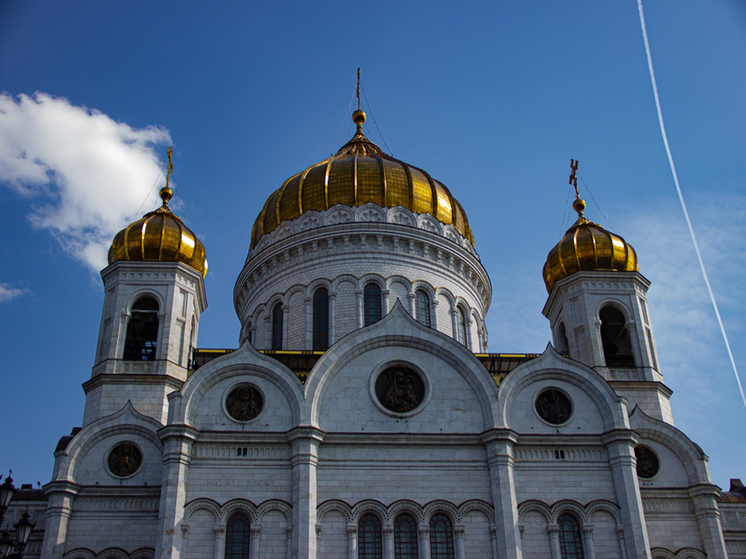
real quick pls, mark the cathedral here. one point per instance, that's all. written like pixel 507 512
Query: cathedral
pixel 362 416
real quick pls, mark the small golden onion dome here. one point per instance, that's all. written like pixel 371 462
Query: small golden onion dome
pixel 587 247
pixel 160 236
pixel 358 174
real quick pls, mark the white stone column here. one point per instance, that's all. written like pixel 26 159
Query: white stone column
pixel 553 530
pixel 359 296
pixel 60 495
pixel 454 324
pixel 304 459
pixel 256 533
pixel 177 448
pixel 332 318
pixel 620 445
pixel 458 530
pixel 385 296
pixel 493 535
pixel 289 530
pixel 219 550
pixel 499 445
pixel 388 542
pixel 352 541
pixel 412 304
pixel 704 498
pixel 588 541
pixel 423 531
pixel 620 537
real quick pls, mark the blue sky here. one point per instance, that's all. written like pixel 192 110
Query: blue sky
pixel 491 98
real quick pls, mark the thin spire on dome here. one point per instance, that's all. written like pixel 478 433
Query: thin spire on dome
pixel 358 117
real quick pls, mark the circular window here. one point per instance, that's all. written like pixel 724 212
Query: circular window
pixel 647 462
pixel 553 406
pixel 400 389
pixel 244 402
pixel 124 459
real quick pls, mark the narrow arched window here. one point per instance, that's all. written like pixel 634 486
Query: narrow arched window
pixel 321 319
pixel 441 537
pixel 142 331
pixel 372 303
pixel 460 325
pixel 423 308
pixel 571 546
pixel 237 537
pixel 369 540
pixel 277 326
pixel 564 346
pixel 405 537
pixel 615 338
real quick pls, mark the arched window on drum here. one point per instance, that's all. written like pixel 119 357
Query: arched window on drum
pixel 237 537
pixel 141 342
pixel 422 301
pixel 277 326
pixel 321 319
pixel 460 325
pixel 372 304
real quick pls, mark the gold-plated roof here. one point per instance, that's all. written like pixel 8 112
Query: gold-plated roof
pixel 587 247
pixel 160 236
pixel 358 174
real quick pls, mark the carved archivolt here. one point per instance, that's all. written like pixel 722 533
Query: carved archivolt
pixel 111 553
pixel 221 513
pixel 683 553
pixel 584 513
pixel 387 514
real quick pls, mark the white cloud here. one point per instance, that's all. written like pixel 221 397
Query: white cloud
pixel 84 174
pixel 7 292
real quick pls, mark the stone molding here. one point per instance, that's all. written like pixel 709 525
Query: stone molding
pixel 423 514
pixel 569 454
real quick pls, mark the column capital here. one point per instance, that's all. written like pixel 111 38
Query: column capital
pixel 352 530
pixel 318 531
pixel 587 530
pixel 219 530
pixel 388 532
pixel 459 530
pixel 553 530
pixel 256 532
pixel 423 530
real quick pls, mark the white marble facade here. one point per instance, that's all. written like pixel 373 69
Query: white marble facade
pixel 311 458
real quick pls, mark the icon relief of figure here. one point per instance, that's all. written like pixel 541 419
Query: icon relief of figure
pixel 244 406
pixel 401 394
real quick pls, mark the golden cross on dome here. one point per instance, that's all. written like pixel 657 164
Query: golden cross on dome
pixel 170 164
pixel 573 176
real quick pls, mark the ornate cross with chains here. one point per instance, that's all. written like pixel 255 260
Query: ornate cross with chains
pixel 170 164
pixel 573 176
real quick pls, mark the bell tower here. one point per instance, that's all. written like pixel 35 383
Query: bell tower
pixel 154 294
pixel 597 310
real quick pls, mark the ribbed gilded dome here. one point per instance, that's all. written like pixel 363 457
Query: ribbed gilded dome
pixel 160 236
pixel 358 174
pixel 587 247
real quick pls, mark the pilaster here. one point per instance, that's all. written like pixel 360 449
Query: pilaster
pixel 304 459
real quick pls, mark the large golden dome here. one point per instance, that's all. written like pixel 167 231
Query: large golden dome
pixel 358 174
pixel 160 236
pixel 587 247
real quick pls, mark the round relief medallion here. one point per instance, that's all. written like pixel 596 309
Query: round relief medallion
pixel 244 402
pixel 399 389
pixel 553 406
pixel 647 462
pixel 124 459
